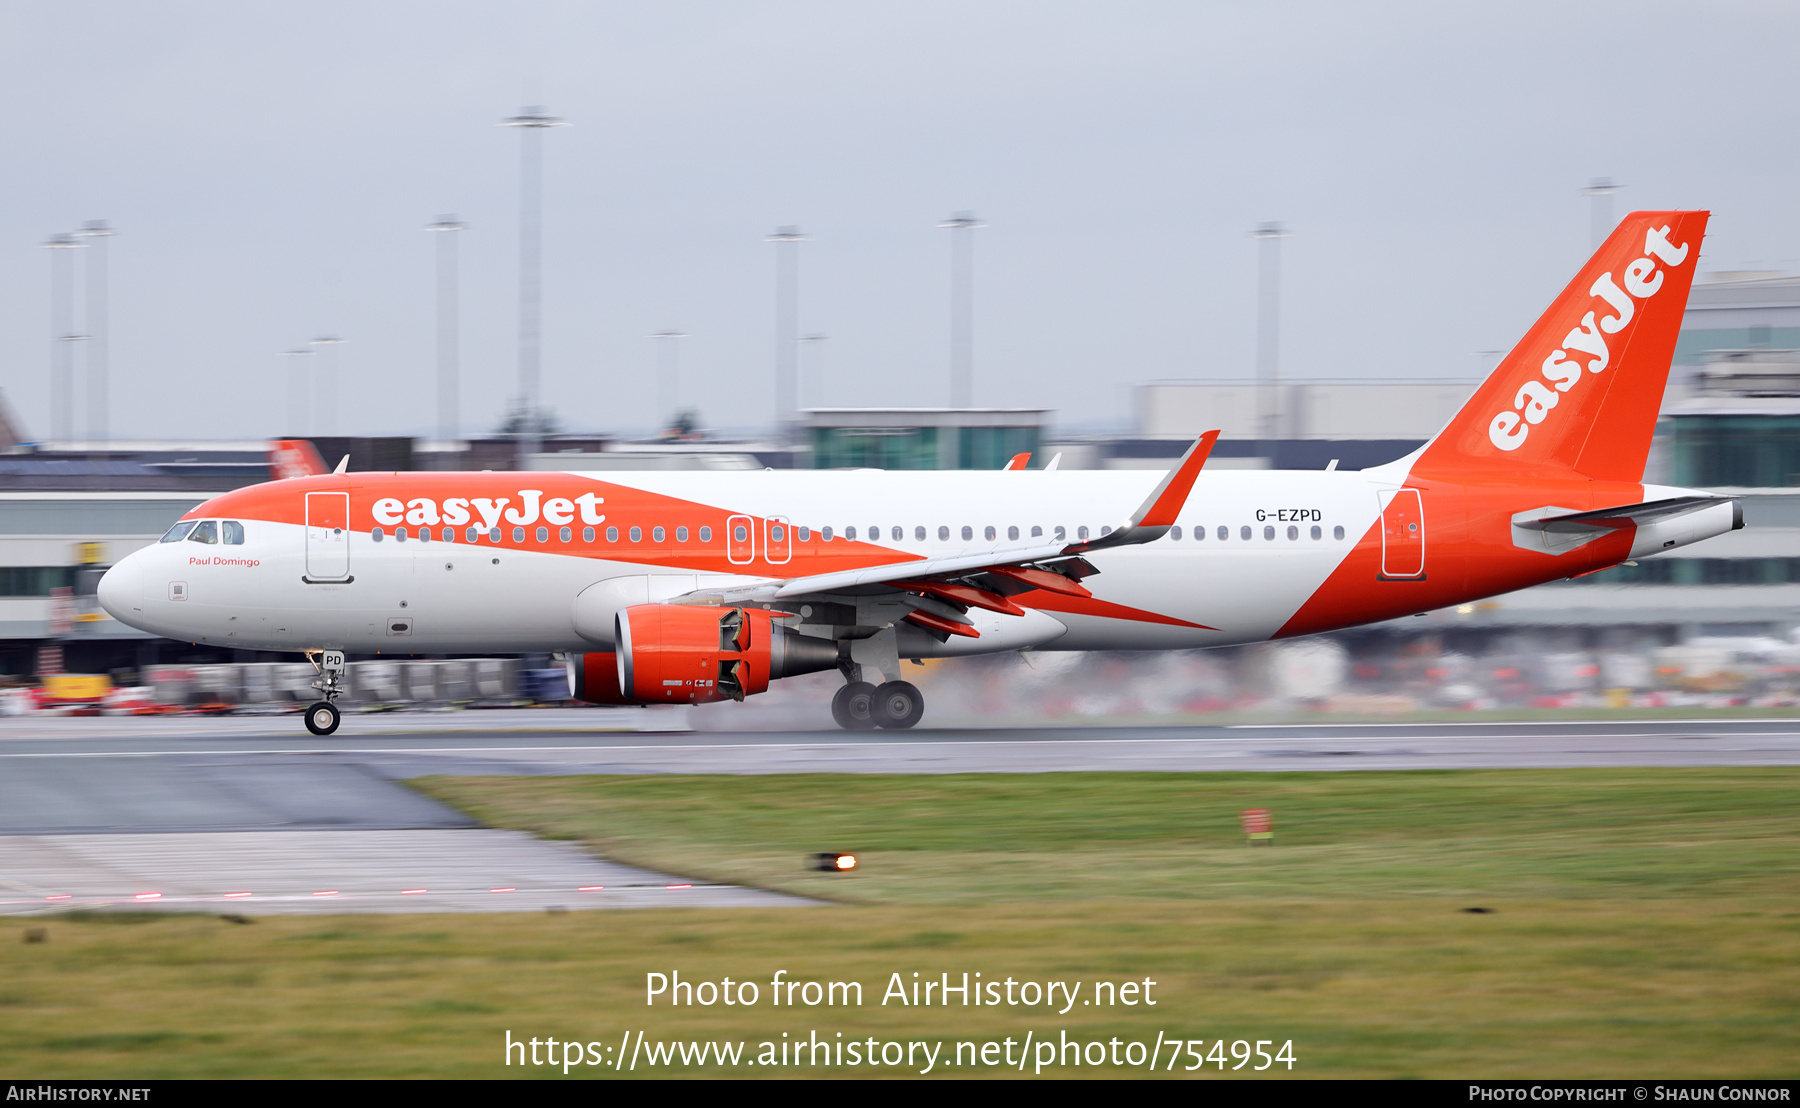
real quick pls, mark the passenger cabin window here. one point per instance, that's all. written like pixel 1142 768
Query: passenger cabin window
pixel 658 534
pixel 543 534
pixel 612 534
pixel 943 534
pixel 399 534
pixel 1012 533
pixel 1060 534
pixel 968 533
pixel 637 534
pixel 494 535
pixel 1337 532
pixel 1081 533
pixel 377 534
pixel 1244 532
pixel 1037 532
pixel 587 534
pixel 777 533
pixel 1175 532
pixel 424 534
pixel 207 531
pixel 1224 533
pixel 681 534
pixel 918 534
pixel 706 534
pixel 473 534
pixel 805 533
pixel 897 534
pixel 231 532
pixel 825 534
pixel 850 533
pixel 518 534
pixel 988 532
pixel 566 534
pixel 740 533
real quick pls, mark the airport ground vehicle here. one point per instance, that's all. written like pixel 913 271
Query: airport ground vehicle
pixel 683 587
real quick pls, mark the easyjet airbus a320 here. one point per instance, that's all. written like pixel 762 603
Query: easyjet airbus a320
pixel 663 588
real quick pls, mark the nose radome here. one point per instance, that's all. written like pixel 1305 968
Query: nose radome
pixel 121 589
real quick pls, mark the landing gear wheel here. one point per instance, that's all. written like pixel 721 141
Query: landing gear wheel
pixel 898 705
pixel 854 706
pixel 322 718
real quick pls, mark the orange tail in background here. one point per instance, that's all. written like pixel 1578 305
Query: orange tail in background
pixel 1581 391
pixel 294 458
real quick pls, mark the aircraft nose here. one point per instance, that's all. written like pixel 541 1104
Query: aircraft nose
pixel 121 589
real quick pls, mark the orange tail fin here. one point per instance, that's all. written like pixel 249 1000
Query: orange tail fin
pixel 1582 389
pixel 294 458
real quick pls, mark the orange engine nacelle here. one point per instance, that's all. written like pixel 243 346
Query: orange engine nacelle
pixel 674 654
pixel 595 679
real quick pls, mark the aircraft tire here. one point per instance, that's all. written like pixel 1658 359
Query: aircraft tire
pixel 898 705
pixel 854 706
pixel 323 718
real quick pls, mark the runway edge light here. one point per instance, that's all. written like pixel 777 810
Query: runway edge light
pixel 834 863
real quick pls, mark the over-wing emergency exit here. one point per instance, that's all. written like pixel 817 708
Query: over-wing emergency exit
pixel 672 587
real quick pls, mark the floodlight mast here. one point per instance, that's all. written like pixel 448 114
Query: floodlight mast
pixel 327 392
pixel 787 242
pixel 668 376
pixel 62 293
pixel 1600 220
pixel 814 394
pixel 962 227
pixel 531 122
pixel 299 411
pixel 97 231
pixel 1268 334
pixel 448 336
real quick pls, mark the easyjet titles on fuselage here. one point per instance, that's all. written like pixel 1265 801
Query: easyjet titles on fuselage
pixel 457 510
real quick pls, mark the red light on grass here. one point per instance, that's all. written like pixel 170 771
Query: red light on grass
pixel 234 896
pixel 508 889
pixel 680 886
pixel 412 892
pixel 590 888
pixel 61 896
pixel 148 896
pixel 327 892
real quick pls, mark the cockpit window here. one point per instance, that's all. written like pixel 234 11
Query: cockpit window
pixel 179 531
pixel 231 532
pixel 207 531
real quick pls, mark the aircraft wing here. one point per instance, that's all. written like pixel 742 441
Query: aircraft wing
pixel 985 578
pixel 1612 519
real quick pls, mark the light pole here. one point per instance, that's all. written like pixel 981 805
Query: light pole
pixel 62 379
pixel 98 232
pixel 447 329
pixel 668 377
pixel 1268 334
pixel 815 395
pixel 1600 221
pixel 531 122
pixel 327 393
pixel 299 411
pixel 962 227
pixel 787 242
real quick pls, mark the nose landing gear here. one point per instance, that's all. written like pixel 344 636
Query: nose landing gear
pixel 323 718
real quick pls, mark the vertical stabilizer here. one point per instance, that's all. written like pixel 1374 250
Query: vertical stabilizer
pixel 1581 391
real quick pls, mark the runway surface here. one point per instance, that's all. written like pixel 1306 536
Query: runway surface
pixel 97 811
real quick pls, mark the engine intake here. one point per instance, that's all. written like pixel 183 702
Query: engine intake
pixel 676 654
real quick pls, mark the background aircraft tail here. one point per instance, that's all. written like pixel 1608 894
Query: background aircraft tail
pixel 294 458
pixel 1581 391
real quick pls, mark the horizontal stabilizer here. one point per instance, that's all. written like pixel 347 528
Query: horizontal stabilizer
pixel 1612 519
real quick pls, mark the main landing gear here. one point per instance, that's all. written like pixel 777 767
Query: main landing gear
pixel 860 706
pixel 323 718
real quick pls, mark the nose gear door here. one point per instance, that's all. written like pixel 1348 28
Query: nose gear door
pixel 327 536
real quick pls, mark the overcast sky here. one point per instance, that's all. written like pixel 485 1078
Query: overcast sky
pixel 270 170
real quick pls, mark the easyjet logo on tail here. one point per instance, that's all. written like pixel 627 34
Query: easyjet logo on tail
pixel 1535 400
